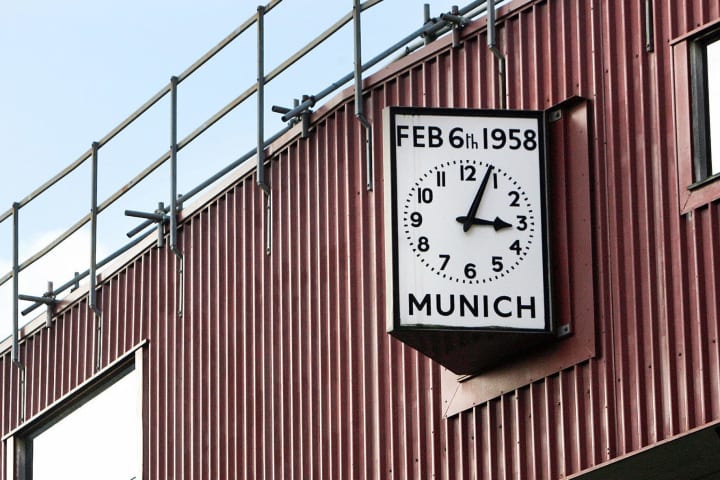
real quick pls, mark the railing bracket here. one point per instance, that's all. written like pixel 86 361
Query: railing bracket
pixel 158 216
pixel 48 299
pixel 300 112
pixel 458 22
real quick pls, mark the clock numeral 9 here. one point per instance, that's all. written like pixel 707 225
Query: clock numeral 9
pixel 423 244
pixel 497 264
pixel 416 219
pixel 424 195
pixel 470 271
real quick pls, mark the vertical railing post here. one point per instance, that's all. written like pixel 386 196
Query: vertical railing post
pixel 16 286
pixel 92 293
pixel 173 163
pixel 427 37
pixel 649 27
pixel 492 45
pixel 359 113
pixel 261 180
pixel 173 193
pixel 16 326
pixel 50 305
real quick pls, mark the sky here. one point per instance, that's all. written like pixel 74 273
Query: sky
pixel 73 70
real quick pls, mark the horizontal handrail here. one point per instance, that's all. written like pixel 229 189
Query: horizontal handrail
pixel 140 111
pixel 431 27
pixel 81 276
pixel 183 143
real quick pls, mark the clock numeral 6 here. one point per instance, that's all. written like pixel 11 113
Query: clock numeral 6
pixel 423 244
pixel 416 219
pixel 470 271
pixel 497 264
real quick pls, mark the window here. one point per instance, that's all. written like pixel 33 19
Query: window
pixel 97 440
pixel 705 71
pixel 94 432
pixel 696 101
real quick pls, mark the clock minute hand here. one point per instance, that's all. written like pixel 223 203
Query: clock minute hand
pixel 476 201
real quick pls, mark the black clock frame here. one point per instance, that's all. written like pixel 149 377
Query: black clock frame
pixel 434 340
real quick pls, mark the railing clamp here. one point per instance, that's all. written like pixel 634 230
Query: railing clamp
pixel 75 282
pixel 158 216
pixel 458 22
pixel 302 112
pixel 48 299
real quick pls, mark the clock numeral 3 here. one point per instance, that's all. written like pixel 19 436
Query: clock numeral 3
pixel 522 223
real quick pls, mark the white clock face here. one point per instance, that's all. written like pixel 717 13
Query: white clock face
pixel 465 219
pixel 438 228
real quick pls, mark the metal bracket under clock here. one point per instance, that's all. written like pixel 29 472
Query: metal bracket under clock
pixel 564 330
pixel 554 115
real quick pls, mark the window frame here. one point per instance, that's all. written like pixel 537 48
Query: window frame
pixel 697 186
pixel 18 443
pixel 702 157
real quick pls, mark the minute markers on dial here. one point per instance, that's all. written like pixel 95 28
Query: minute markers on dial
pixel 501 209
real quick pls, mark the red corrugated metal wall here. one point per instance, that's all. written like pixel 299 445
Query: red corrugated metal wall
pixel 279 366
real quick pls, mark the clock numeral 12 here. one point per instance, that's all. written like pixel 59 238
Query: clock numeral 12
pixel 467 173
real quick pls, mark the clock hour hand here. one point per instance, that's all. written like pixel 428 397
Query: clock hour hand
pixel 497 224
pixel 468 221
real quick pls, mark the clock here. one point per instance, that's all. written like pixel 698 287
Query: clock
pixel 467 201
pixel 466 220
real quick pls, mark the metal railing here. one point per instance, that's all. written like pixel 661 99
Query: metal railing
pixel 432 28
